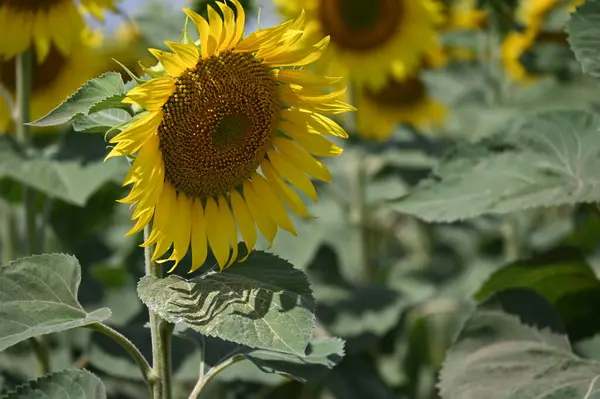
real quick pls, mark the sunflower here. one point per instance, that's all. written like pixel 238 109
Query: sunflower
pixel 226 130
pixel 463 15
pixel 53 79
pixel 407 101
pixel 371 39
pixel 42 23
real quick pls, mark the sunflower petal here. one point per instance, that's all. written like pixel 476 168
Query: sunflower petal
pixel 133 138
pixel 181 217
pixel 299 56
pixel 216 27
pixel 217 235
pixel 207 45
pixel 285 192
pixel 307 163
pixel 312 142
pixel 239 22
pixel 199 245
pixel 187 52
pixel 172 63
pixel 267 227
pixel 229 225
pixel 153 94
pixel 244 220
pixel 228 27
pixel 267 197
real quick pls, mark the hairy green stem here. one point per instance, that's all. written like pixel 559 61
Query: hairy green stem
pixel 131 349
pixel 41 353
pixel 24 69
pixel 204 379
pixel 161 333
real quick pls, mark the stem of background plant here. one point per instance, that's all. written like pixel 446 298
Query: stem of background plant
pixel 205 378
pixel 41 353
pixel 510 233
pixel 24 77
pixel 160 332
pixel 361 209
pixel 133 351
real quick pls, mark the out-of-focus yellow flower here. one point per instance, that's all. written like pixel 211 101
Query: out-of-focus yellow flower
pixel 53 79
pixel 371 39
pixel 43 23
pixel 407 101
pixel 228 128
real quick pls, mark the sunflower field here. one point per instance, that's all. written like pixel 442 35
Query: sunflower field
pixel 303 199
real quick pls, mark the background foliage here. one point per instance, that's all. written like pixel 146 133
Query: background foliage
pixel 459 262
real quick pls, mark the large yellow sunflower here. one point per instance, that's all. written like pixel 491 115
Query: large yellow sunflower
pixel 407 101
pixel 227 128
pixel 371 39
pixel 41 23
pixel 54 78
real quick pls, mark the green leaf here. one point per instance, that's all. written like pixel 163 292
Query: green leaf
pixel 563 278
pixel 101 121
pixel 584 36
pixel 66 384
pixel 89 94
pixel 322 355
pixel 546 159
pixel 71 179
pixel 497 357
pixel 262 303
pixel 114 101
pixel 39 296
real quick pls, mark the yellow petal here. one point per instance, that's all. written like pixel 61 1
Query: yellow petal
pixel 199 246
pixel 217 235
pixel 228 27
pixel 228 224
pixel 285 192
pixel 152 94
pixel 325 103
pixel 305 78
pixel 311 141
pixel 135 136
pixel 299 56
pixel 207 45
pixel 216 27
pixel 58 17
pixel 292 174
pixel 267 227
pixel 244 220
pixel 239 22
pixel 302 159
pixel 256 39
pixel 167 229
pixel 314 121
pixel 187 52
pixel 172 63
pixel 42 34
pixel 182 218
pixel 268 199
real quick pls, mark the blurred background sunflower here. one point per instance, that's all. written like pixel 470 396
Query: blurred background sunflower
pixel 46 23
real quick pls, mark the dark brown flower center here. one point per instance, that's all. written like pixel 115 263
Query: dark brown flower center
pixel 360 25
pixel 44 74
pixel 218 124
pixel 398 94
pixel 29 5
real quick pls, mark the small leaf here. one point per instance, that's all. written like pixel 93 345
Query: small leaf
pixel 100 122
pixel 563 278
pixel 497 357
pixel 90 93
pixel 70 179
pixel 545 159
pixel 322 355
pixel 39 296
pixel 584 36
pixel 114 101
pixel 262 303
pixel 66 384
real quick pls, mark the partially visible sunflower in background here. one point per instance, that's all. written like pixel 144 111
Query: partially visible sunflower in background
pixel 407 101
pixel 43 23
pixel 228 128
pixel 371 39
pixel 54 78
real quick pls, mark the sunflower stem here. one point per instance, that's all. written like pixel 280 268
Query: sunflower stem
pixel 24 70
pixel 206 378
pixel 161 333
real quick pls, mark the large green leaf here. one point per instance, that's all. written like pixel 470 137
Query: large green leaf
pixel 584 36
pixel 71 179
pixel 497 357
pixel 101 121
pixel 262 303
pixel 38 296
pixel 545 159
pixel 66 384
pixel 94 91
pixel 563 278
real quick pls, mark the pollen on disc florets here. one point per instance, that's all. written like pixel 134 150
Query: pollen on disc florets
pixel 218 124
